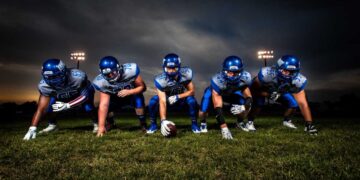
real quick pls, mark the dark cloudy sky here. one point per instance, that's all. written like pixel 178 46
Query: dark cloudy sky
pixel 323 34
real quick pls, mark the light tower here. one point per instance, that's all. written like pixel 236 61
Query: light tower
pixel 265 55
pixel 78 56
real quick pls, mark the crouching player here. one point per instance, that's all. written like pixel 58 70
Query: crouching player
pixel 231 85
pixel 175 89
pixel 283 83
pixel 61 89
pixel 119 85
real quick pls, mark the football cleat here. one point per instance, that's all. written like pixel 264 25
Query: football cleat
pixel 203 128
pixel 152 129
pixel 289 124
pixel 250 126
pixel 50 128
pixel 226 134
pixel 195 128
pixel 311 129
pixel 96 128
pixel 242 126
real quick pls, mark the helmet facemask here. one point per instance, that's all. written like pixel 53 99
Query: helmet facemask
pixel 111 75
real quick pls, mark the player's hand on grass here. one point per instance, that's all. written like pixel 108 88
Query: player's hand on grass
pixel 237 109
pixel 31 134
pixel 60 106
pixel 226 134
pixel 101 132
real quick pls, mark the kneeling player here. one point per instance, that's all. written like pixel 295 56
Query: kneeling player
pixel 283 83
pixel 174 89
pixel 61 89
pixel 232 86
pixel 119 85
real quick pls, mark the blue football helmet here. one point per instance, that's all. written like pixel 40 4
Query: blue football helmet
pixel 110 68
pixel 235 65
pixel 54 72
pixel 172 61
pixel 289 63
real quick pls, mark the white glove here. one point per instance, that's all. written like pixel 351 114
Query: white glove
pixel 274 96
pixel 60 106
pixel 165 131
pixel 31 134
pixel 173 99
pixel 226 134
pixel 237 109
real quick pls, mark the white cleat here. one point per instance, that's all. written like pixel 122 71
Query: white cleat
pixel 250 126
pixel 242 126
pixel 50 128
pixel 96 128
pixel 289 124
pixel 226 134
pixel 203 128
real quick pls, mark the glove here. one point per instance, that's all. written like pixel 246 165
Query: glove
pixel 274 96
pixel 60 106
pixel 165 131
pixel 31 134
pixel 237 109
pixel 173 99
pixel 226 134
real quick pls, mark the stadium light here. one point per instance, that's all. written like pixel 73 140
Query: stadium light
pixel 77 56
pixel 265 55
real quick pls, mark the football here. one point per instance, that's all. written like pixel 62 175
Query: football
pixel 173 130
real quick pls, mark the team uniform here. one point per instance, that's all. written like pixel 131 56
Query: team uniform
pixel 77 91
pixel 174 87
pixel 268 79
pixel 230 92
pixel 130 71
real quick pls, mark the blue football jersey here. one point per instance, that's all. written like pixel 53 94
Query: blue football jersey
pixel 268 78
pixel 76 84
pixel 223 87
pixel 172 86
pixel 126 80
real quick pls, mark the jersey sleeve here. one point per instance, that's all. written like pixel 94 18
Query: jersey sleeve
pixel 300 82
pixel 246 78
pixel 217 83
pixel 160 82
pixel 45 89
pixel 265 75
pixel 186 74
pixel 100 84
pixel 131 70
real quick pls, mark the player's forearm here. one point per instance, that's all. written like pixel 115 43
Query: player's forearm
pixel 162 105
pixel 186 94
pixel 77 101
pixel 102 113
pixel 37 116
pixel 137 90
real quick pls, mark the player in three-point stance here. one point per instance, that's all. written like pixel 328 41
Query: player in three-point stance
pixel 282 83
pixel 61 89
pixel 174 89
pixel 119 85
pixel 231 85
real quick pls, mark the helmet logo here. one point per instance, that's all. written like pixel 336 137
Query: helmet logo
pixel 280 62
pixel 61 65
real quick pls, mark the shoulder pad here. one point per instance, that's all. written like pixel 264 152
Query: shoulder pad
pixel 186 74
pixel 161 81
pixel 44 88
pixel 218 82
pixel 246 77
pixel 266 74
pixel 299 82
pixel 100 83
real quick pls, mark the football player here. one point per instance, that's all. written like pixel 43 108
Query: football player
pixel 119 85
pixel 284 84
pixel 174 89
pixel 61 89
pixel 231 85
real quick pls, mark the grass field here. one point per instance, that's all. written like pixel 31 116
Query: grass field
pixel 273 151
